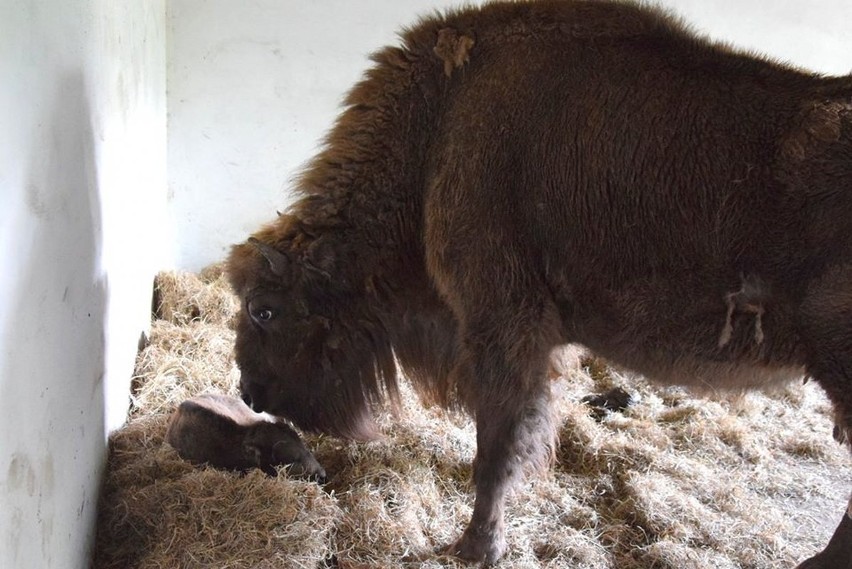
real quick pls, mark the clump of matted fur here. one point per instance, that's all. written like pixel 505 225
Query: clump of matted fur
pixel 674 481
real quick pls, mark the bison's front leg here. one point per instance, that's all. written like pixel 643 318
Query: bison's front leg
pixel 509 439
pixel 490 276
pixel 508 391
pixel 826 321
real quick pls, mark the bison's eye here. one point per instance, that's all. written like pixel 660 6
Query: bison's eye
pixel 264 315
pixel 264 308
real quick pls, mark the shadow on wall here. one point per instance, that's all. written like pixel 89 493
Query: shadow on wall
pixel 51 389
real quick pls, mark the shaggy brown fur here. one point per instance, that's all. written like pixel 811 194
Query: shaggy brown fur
pixel 586 172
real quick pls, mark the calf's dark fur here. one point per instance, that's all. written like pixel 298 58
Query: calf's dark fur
pixel 223 432
pixel 529 174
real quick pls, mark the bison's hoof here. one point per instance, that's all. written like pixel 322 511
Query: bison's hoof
pixel 479 546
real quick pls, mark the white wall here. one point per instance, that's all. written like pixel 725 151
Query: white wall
pixel 814 34
pixel 254 85
pixel 83 184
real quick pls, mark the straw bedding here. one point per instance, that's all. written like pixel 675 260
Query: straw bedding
pixel 674 481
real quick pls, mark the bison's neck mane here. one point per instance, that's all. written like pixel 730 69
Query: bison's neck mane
pixel 367 181
pixel 362 196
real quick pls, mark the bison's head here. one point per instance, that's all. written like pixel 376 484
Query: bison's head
pixel 297 353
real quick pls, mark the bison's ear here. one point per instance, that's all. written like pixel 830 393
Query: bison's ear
pixel 321 257
pixel 279 264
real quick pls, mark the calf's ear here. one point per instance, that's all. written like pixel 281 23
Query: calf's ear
pixel 279 264
pixel 252 453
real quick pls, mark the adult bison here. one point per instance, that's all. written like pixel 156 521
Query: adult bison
pixel 528 174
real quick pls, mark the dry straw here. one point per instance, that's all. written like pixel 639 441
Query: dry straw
pixel 675 481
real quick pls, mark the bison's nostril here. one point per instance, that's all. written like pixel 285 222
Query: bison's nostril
pixel 247 399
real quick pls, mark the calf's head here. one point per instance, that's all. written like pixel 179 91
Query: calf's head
pixel 268 445
pixel 290 340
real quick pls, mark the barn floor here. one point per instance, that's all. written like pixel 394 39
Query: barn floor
pixel 674 481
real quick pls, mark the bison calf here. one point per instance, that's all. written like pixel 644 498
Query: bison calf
pixel 223 432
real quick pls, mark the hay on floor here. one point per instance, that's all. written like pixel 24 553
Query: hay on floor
pixel 674 481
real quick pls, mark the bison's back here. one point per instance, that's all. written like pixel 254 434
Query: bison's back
pixel 629 170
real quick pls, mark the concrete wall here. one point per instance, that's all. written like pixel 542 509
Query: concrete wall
pixel 254 85
pixel 83 185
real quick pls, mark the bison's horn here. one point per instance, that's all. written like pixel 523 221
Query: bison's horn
pixel 278 261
